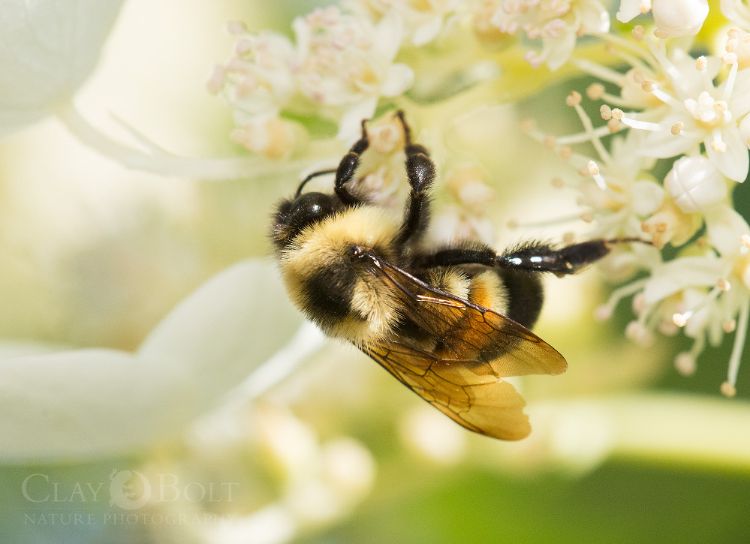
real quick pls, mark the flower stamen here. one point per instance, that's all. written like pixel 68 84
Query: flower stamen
pixel 737 348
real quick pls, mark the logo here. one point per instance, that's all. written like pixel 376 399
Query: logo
pixel 129 489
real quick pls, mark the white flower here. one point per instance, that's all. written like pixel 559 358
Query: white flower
pixel 47 51
pixel 339 67
pixel 466 218
pixel 557 23
pixel 706 291
pixel 432 437
pixel 737 12
pixel 91 403
pixel 738 42
pixel 269 135
pixel 670 225
pixel 380 178
pixel 616 191
pixel 672 17
pixel 259 81
pixel 692 110
pixel 423 19
pixel 630 9
pixel 259 78
pixel 706 295
pixel 345 64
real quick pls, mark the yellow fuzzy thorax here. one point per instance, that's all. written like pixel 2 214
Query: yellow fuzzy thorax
pixel 325 244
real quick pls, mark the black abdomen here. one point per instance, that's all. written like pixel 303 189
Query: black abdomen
pixel 525 296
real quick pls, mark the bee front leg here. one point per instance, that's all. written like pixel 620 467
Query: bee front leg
pixel 420 171
pixel 347 167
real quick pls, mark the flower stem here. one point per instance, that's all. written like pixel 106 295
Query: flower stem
pixel 164 163
pixel 655 427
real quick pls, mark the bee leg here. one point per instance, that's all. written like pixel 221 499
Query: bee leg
pixel 539 257
pixel 524 293
pixel 456 256
pixel 348 166
pixel 530 257
pixel 420 171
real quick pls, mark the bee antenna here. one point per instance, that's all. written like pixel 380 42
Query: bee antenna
pixel 311 176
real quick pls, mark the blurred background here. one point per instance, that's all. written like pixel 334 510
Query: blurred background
pixel 624 449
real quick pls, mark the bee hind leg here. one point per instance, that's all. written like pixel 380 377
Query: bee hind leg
pixel 570 259
pixel 529 256
pixel 523 291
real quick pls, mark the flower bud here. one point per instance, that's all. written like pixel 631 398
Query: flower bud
pixel 685 363
pixel 679 17
pixel 271 136
pixel 695 184
pixel 737 42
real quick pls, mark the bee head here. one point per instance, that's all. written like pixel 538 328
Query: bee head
pixel 293 215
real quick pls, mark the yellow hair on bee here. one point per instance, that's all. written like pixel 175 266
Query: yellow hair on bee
pixel 325 245
pixel 484 289
pixel 452 280
pixel 488 290
pixel 367 226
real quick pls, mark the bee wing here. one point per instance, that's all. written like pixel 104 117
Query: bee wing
pixel 459 363
pixel 483 405
pixel 466 333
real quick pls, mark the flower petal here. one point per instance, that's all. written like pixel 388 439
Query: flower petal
pixel 664 144
pixel 647 197
pixel 397 80
pixel 90 403
pixel 593 17
pixel 740 101
pixel 629 9
pixel 557 51
pixel 48 48
pixel 725 228
pixel 226 328
pixel 349 125
pixel 427 31
pixel 389 33
pixel 734 161
pixel 674 276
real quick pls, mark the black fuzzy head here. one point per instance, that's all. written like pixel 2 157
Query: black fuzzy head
pixel 293 215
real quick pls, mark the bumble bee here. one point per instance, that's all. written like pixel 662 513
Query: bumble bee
pixel 450 322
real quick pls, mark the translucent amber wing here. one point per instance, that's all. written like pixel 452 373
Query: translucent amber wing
pixel 461 355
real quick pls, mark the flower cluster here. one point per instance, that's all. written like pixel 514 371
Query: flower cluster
pixel 668 108
pixel 346 60
pixel 556 23
pixel 338 68
pixel 663 108
pixel 656 176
